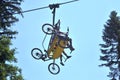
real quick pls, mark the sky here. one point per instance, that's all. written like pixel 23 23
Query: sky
pixel 85 19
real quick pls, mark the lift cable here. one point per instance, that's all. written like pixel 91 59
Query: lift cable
pixel 50 6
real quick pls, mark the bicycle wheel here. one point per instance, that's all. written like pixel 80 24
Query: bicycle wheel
pixel 47 28
pixel 64 43
pixel 36 53
pixel 53 68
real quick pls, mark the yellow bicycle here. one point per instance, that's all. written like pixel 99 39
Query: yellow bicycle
pixel 56 46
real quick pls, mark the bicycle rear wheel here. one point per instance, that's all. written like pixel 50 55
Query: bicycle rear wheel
pixel 36 53
pixel 53 68
pixel 47 28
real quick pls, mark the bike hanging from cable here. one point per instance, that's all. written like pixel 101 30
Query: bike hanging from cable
pixel 58 41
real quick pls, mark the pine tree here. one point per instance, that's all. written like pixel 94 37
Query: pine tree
pixel 111 48
pixel 8 71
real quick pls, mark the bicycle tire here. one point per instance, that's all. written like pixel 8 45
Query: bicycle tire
pixel 36 53
pixel 46 27
pixel 52 67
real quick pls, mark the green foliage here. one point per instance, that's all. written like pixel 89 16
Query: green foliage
pixel 7 10
pixel 10 72
pixel 7 18
pixel 111 48
pixel 6 54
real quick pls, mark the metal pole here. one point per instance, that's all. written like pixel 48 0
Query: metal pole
pixel 54 10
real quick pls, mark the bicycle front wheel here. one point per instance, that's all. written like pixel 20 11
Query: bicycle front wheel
pixel 53 68
pixel 47 28
pixel 36 53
